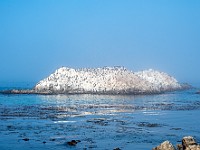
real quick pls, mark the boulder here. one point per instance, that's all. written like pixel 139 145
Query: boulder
pixel 164 146
pixel 189 143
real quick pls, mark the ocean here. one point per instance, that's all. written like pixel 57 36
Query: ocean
pixel 97 122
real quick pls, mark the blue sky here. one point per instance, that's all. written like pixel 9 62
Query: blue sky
pixel 39 36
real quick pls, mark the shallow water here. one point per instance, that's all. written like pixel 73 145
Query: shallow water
pixel 100 122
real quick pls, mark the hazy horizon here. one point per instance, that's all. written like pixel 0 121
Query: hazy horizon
pixel 38 37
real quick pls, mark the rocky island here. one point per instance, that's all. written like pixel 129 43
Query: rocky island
pixel 106 80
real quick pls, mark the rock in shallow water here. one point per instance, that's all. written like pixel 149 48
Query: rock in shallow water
pixel 73 142
pixel 26 139
pixel 164 146
pixel 198 92
pixel 188 143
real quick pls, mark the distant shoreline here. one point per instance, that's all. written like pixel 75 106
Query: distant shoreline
pixel 34 92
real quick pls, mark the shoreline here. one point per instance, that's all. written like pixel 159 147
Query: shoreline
pixel 34 92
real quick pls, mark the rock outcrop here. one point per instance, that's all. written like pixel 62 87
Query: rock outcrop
pixel 107 80
pixel 166 145
pixel 188 143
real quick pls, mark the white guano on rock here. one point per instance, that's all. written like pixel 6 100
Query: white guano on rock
pixel 106 80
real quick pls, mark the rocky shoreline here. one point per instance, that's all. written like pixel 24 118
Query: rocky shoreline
pixel 34 92
pixel 188 143
pixel 24 91
pixel 106 80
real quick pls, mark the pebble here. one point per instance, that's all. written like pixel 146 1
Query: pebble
pixel 73 142
pixel 26 139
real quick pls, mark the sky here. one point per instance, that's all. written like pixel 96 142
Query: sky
pixel 39 36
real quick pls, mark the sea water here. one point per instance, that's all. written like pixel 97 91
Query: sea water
pixel 99 122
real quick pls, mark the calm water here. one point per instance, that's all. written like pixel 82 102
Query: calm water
pixel 99 122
